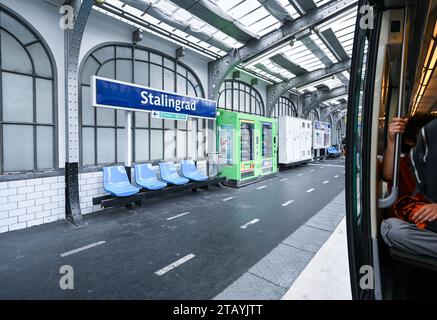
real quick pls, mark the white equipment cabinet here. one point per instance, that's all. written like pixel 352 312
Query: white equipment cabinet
pixel 295 140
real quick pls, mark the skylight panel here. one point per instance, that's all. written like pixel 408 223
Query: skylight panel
pixel 332 83
pixel 166 6
pixel 179 15
pixel 321 2
pixel 244 8
pixel 227 5
pixel 268 28
pixel 252 17
pixel 346 74
pixel 303 57
pixel 343 27
pixel 251 14
pixel 277 69
pixel 263 73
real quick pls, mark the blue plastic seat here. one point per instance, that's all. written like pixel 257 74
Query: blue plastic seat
pixel 170 174
pixel 190 171
pixel 116 182
pixel 333 151
pixel 146 178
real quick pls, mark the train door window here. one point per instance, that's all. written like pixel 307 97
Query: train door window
pixel 357 127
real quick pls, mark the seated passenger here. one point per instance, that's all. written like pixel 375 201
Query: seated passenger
pixel 408 228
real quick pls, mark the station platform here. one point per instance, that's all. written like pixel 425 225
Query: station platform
pixel 187 246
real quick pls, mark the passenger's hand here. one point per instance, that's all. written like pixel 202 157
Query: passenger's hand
pixel 428 213
pixel 397 125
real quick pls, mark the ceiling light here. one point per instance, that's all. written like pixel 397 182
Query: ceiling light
pixel 427 70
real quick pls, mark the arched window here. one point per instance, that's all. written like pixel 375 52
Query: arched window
pixel 27 86
pixel 313 115
pixel 241 97
pixel 102 134
pixel 284 107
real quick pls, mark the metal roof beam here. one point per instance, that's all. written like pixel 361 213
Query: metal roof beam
pixel 317 51
pixel 331 42
pixel 212 14
pixel 283 62
pixel 275 8
pixel 269 71
pixel 316 99
pixel 278 89
pixel 303 5
pixel 220 69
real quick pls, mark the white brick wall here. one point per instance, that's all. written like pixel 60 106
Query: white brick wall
pixel 26 203
pixel 90 186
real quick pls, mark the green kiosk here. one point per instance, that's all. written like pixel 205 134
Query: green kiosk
pixel 247 147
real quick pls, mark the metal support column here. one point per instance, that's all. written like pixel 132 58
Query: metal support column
pixel 128 158
pixel 72 42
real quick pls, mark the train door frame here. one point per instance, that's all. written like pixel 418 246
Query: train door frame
pixel 362 253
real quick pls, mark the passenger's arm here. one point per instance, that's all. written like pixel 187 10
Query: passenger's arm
pixel 397 125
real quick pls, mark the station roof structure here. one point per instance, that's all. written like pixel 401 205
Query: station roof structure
pixel 217 28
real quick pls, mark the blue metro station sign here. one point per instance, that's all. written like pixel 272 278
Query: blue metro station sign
pixel 108 93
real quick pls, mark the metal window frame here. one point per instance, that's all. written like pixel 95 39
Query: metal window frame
pixel 284 107
pixel 197 87
pixel 35 124
pixel 238 86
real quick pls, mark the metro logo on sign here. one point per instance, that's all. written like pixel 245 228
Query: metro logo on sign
pixel 108 93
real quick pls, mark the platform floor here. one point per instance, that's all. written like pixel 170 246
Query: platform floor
pixel 189 246
pixel 326 277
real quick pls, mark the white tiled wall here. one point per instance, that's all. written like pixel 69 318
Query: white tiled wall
pixel 26 203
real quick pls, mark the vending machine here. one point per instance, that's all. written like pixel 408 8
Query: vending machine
pixel 247 147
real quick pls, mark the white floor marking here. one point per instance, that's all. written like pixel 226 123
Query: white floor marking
pixel 312 170
pixel 300 174
pixel 177 216
pixel 336 176
pixel 327 165
pixel 321 167
pixel 287 203
pixel 227 199
pixel 174 264
pixel 310 190
pixel 344 171
pixel 283 179
pixel 92 245
pixel 244 226
pixel 262 187
pixel 325 182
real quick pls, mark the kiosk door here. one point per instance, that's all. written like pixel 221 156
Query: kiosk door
pixel 267 147
pixel 247 168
